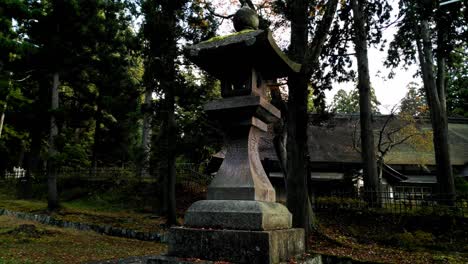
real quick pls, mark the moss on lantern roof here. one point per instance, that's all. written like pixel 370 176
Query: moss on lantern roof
pixel 218 38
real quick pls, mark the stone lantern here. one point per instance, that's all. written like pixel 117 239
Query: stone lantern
pixel 240 221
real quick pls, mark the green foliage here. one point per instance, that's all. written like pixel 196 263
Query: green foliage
pixel 15 47
pixel 457 87
pixel 414 103
pixel 348 103
pixel 198 136
pixel 72 156
pixel 461 186
pixel 191 88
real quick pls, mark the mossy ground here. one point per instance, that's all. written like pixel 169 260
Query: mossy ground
pixel 84 212
pixel 376 238
pixel 47 244
pixel 391 239
pixel 112 208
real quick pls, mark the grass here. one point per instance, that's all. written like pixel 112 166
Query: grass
pixel 56 245
pixel 88 211
pixel 122 206
pixel 76 212
pixel 376 238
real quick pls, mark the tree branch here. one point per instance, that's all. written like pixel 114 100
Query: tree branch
pixel 403 140
pixel 341 55
pixel 391 23
pixel 248 3
pixel 313 53
pixel 382 130
pixel 220 16
pixel 380 145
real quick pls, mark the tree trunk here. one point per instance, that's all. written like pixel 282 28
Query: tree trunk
pixel 97 138
pixel 33 160
pixel 280 131
pixel 446 186
pixel 52 198
pixel 146 134
pixel 159 149
pixel 2 117
pixel 445 176
pixel 371 182
pixel 168 85
pixel 297 198
pixel 171 157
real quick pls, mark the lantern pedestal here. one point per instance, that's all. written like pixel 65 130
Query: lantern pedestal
pixel 237 246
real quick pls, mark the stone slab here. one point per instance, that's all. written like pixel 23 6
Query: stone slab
pixel 315 259
pixel 176 260
pixel 163 259
pixel 241 107
pixel 236 245
pixel 243 215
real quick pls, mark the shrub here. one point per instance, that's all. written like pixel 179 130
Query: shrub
pixel 414 239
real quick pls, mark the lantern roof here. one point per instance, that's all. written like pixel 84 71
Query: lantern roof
pixel 225 56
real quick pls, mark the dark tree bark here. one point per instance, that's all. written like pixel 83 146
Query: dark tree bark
pixel 167 82
pixel 162 32
pixel 371 181
pixel 435 93
pixel 52 197
pixel 298 201
pixel 297 197
pixel 146 133
pixel 4 108
pixel 97 138
pixel 32 159
pixel 171 150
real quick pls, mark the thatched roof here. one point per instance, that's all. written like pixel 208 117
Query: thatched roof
pixel 332 142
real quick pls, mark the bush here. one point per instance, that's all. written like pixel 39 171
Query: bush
pixel 414 239
pixel 461 186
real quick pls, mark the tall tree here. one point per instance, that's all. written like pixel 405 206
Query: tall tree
pixel 14 72
pixel 115 72
pixel 54 48
pixel 361 22
pixel 371 181
pixel 89 52
pixel 415 40
pixel 162 29
pixel 297 117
